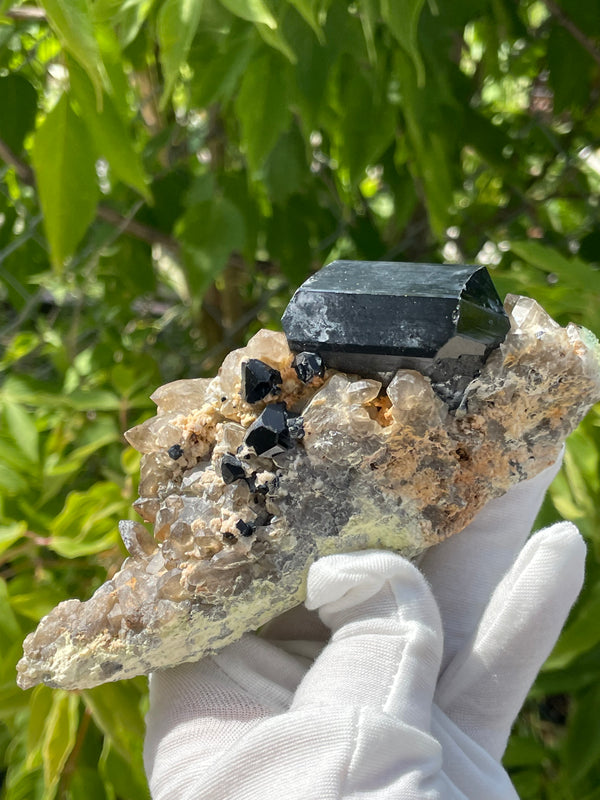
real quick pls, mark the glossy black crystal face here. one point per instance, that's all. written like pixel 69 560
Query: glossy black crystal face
pixel 308 366
pixel 367 316
pixel 269 434
pixel 259 380
pixel 232 469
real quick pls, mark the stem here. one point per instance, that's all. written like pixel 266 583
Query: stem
pixel 576 32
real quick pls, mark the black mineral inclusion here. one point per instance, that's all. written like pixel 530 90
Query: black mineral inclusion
pixel 308 366
pixel 175 451
pixel 259 380
pixel 367 316
pixel 232 469
pixel 269 434
pixel 245 528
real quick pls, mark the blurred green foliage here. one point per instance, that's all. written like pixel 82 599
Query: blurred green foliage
pixel 169 172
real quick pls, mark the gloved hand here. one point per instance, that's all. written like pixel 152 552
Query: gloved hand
pixel 413 696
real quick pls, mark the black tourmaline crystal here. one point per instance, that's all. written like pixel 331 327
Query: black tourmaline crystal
pixel 308 366
pixel 269 434
pixel 259 380
pixel 232 469
pixel 175 451
pixel 245 528
pixel 367 317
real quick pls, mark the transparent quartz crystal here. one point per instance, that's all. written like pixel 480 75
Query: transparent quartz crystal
pixel 526 314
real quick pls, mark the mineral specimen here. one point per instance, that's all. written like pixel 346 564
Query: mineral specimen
pixel 379 466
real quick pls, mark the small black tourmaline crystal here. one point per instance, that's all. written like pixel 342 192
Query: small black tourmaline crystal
pixel 308 366
pixel 269 434
pixel 259 380
pixel 232 469
pixel 367 317
pixel 245 528
pixel 175 451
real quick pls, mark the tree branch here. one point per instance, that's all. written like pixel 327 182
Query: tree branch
pixel 130 226
pixel 576 32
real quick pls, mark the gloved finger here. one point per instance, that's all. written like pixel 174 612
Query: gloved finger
pixel 195 708
pixel 467 765
pixel 485 684
pixel 464 570
pixel 386 641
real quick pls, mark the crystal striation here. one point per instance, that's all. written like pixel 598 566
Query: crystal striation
pixel 379 466
pixel 366 316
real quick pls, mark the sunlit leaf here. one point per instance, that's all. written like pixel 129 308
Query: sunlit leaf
pixel 73 24
pixel 252 10
pixel 403 18
pixel 60 730
pixel 64 163
pixel 177 24
pixel 108 132
pixel 22 428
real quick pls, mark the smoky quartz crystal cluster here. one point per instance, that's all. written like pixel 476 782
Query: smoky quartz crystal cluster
pixel 402 399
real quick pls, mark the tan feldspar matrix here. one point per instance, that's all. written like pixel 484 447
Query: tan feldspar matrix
pixel 364 467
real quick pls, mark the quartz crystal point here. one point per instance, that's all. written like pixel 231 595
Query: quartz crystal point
pixel 231 532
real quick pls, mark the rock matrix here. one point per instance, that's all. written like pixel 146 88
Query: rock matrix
pixel 249 477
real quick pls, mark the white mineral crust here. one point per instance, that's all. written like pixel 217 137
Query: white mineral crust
pixel 376 468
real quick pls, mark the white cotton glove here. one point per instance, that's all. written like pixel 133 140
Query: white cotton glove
pixel 413 696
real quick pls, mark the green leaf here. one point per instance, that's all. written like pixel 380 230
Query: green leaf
pixel 402 17
pixel 64 164
pixel 11 482
pixel 367 124
pixel 125 778
pixel 87 523
pixel 60 731
pixel 115 709
pixel 9 627
pixel 286 166
pixel 277 41
pixel 177 24
pixel 582 745
pixel 217 73
pixel 18 101
pixel 369 10
pixel 309 10
pixel 22 428
pixel 251 10
pixel 261 106
pixel 573 270
pixel 11 533
pixel 73 24
pixel 209 233
pixel 580 635
pixel 40 704
pixel 35 605
pixel 108 132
